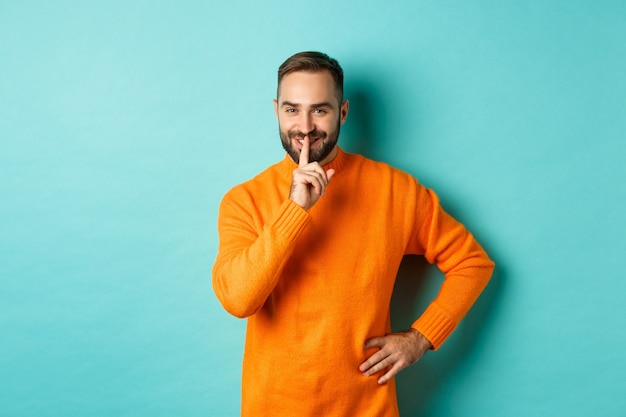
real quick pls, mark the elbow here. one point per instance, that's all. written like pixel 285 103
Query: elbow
pixel 239 310
pixel 490 266
pixel 486 266
pixel 232 301
pixel 485 272
pixel 483 263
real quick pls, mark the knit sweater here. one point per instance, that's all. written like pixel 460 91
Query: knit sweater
pixel 315 285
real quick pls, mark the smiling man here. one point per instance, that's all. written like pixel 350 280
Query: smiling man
pixel 311 106
pixel 309 251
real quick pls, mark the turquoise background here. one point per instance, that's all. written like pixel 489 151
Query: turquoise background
pixel 122 124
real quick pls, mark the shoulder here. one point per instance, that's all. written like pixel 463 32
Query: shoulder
pixel 380 171
pixel 254 190
pixel 267 176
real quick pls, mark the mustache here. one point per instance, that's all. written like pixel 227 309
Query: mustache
pixel 313 134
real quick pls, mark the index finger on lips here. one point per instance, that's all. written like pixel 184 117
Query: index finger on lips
pixel 304 153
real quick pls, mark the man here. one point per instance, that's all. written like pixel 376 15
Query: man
pixel 309 251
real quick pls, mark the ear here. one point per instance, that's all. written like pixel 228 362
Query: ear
pixel 275 108
pixel 345 106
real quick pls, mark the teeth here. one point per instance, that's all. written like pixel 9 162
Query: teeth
pixel 310 141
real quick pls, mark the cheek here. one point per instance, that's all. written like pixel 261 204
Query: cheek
pixel 285 124
pixel 333 126
pixel 326 125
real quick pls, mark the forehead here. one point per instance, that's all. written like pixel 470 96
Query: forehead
pixel 307 87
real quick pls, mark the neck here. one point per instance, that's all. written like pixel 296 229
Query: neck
pixel 330 157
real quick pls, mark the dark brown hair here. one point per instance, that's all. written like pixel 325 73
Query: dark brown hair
pixel 311 61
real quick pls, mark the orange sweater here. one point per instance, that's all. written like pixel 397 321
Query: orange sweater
pixel 315 285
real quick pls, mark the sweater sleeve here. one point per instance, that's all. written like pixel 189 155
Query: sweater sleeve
pixel 466 266
pixel 251 255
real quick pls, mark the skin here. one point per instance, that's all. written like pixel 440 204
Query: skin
pixel 307 105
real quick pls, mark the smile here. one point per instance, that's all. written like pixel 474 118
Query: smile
pixel 311 141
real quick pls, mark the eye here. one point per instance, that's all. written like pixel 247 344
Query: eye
pixel 290 110
pixel 319 111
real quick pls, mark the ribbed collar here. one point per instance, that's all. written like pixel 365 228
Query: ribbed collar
pixel 287 164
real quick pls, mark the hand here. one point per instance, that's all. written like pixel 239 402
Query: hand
pixel 309 179
pixel 397 350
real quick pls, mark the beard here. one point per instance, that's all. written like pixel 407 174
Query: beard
pixel 318 152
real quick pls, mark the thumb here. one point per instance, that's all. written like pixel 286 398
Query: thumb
pixel 374 342
pixel 330 173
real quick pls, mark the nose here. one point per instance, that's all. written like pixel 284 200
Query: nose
pixel 306 123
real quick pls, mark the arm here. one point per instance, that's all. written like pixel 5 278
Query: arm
pixel 466 266
pixel 467 269
pixel 249 262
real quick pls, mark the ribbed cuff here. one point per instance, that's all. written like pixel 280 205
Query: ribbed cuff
pixel 435 324
pixel 291 220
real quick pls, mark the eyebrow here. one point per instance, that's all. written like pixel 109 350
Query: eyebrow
pixel 315 106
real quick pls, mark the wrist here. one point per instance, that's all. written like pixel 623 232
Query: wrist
pixel 421 339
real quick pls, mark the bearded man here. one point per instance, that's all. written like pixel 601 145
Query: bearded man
pixel 309 251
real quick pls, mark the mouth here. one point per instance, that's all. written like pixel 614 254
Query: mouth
pixel 311 141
